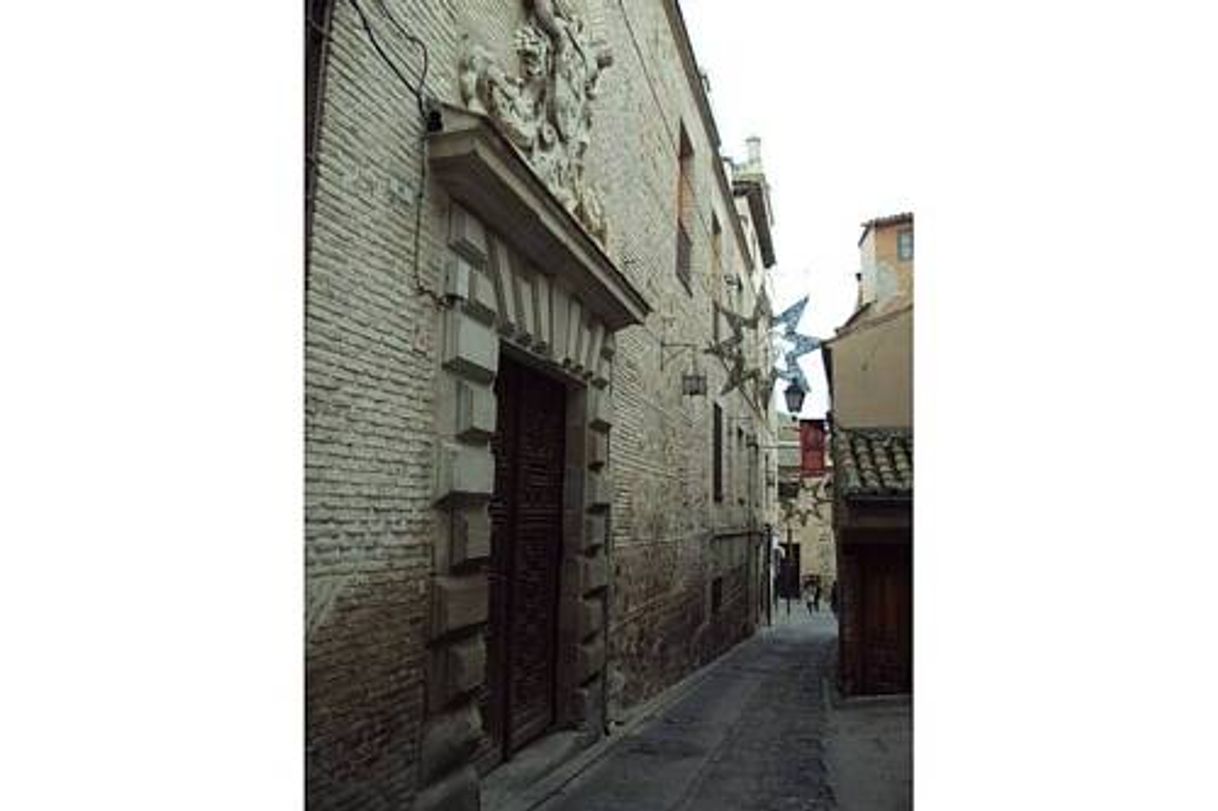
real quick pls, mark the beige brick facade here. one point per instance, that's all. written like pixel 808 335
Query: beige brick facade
pixel 403 335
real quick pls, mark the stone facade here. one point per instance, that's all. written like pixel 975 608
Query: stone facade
pixel 441 238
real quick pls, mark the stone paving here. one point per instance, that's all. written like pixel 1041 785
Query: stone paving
pixel 762 729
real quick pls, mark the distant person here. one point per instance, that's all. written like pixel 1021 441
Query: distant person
pixel 816 594
pixel 834 600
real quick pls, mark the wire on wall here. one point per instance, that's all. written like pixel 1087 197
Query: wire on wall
pixel 429 114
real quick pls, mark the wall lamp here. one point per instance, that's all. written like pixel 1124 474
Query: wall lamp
pixel 794 395
pixel 693 383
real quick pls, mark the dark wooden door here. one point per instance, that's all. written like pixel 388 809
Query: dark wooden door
pixel 526 547
pixel 789 577
pixel 887 621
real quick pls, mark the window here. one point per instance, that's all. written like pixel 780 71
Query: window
pixel 905 244
pixel 812 447
pixel 684 248
pixel 685 209
pixel 737 485
pixel 716 595
pixel 717 456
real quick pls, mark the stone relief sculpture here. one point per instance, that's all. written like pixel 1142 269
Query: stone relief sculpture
pixel 546 111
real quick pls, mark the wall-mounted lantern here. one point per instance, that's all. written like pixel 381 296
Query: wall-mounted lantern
pixel 693 384
pixel 794 395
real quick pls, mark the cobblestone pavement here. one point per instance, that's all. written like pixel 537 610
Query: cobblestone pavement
pixel 750 735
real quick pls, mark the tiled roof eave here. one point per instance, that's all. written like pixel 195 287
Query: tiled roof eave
pixel 874 464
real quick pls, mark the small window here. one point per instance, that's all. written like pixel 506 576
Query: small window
pixel 717 457
pixel 685 208
pixel 716 595
pixel 905 245
pixel 737 485
pixel 684 248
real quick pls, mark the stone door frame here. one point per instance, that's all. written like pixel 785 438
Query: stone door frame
pixel 522 277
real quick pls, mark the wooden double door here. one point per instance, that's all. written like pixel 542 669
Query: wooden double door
pixel 526 553
pixel 886 619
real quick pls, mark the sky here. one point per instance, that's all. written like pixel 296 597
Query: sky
pixel 805 78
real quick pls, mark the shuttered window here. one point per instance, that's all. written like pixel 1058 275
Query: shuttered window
pixel 717 456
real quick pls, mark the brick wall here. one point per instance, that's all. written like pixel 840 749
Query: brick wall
pixel 369 366
pixel 371 357
pixel 663 514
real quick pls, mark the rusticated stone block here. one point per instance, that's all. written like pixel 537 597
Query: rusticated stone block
pixel 593 573
pixel 464 472
pixel 586 704
pixel 466 235
pixel 456 792
pixel 458 602
pixel 471 348
pixel 602 370
pixel 596 485
pixel 458 277
pixel 600 409
pixel 475 411
pixel 456 669
pixel 591 658
pixel 449 739
pixel 591 616
pixel 594 530
pixel 598 449
pixel 483 302
pixel 471 534
pixel 466 665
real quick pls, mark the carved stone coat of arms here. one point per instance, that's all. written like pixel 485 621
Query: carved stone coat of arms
pixel 546 110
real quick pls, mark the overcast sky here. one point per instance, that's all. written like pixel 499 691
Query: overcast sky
pixel 807 80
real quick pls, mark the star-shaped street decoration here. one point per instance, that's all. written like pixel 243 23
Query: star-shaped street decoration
pixel 791 345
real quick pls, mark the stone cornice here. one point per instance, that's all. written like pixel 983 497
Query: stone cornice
pixel 481 170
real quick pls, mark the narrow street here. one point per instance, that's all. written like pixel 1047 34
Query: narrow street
pixel 760 730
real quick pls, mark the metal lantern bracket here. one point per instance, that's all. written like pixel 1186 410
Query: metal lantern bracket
pixel 677 347
pixel 693 383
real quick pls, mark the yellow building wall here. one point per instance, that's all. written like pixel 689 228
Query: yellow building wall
pixel 873 374
pixel 884 278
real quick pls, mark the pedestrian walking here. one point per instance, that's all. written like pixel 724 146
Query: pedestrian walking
pixel 833 599
pixel 816 595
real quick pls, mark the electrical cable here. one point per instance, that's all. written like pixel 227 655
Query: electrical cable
pixel 409 37
pixel 420 102
pixel 415 91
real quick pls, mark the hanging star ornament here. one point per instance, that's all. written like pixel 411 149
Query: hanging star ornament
pixel 735 375
pixel 790 316
pixel 791 345
pixel 803 344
